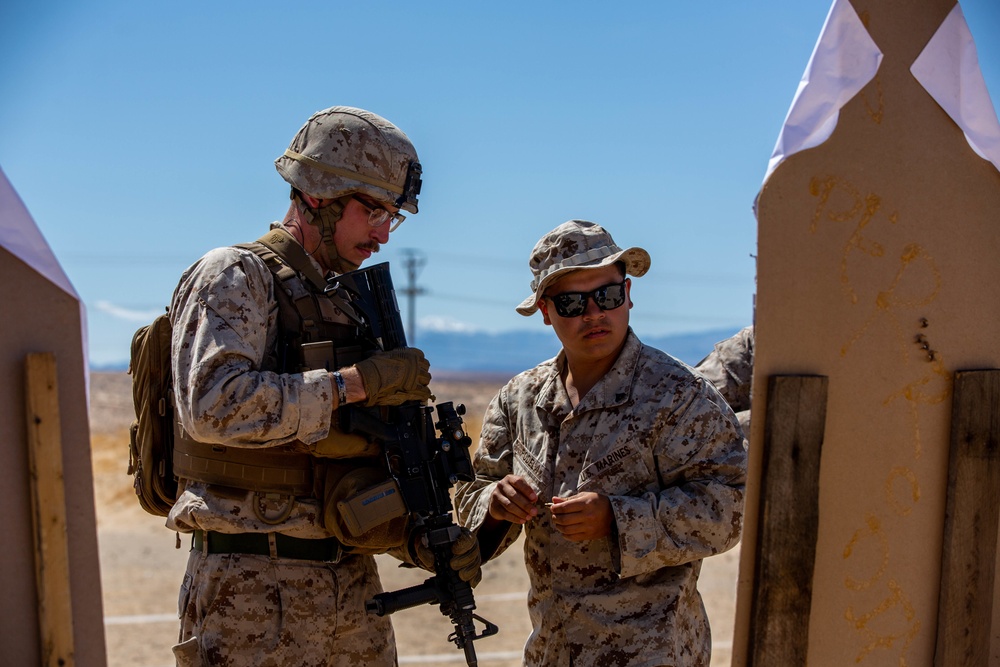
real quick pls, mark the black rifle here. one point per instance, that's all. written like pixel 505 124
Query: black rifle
pixel 424 466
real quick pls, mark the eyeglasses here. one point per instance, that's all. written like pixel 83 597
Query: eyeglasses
pixel 574 304
pixel 378 216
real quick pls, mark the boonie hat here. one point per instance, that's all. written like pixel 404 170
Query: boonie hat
pixel 573 245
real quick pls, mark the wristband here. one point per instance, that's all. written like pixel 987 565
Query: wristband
pixel 338 379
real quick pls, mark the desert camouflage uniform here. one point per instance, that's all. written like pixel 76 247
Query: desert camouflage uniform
pixel 663 446
pixel 248 610
pixel 729 366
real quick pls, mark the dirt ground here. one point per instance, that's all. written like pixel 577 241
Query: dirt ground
pixel 141 566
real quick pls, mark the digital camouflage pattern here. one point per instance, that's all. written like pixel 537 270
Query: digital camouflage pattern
pixel 242 609
pixel 576 244
pixel 729 366
pixel 662 444
pixel 224 319
pixel 342 150
pixel 277 613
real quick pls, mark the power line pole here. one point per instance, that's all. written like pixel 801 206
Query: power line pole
pixel 413 261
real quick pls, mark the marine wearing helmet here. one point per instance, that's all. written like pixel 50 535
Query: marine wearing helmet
pixel 341 152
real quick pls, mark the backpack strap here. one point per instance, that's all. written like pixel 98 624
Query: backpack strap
pixel 283 244
pixel 286 257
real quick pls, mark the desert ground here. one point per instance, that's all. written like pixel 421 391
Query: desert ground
pixel 142 562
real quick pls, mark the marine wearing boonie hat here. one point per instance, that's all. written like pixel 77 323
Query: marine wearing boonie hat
pixel 574 245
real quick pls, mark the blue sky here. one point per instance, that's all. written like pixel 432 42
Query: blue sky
pixel 139 135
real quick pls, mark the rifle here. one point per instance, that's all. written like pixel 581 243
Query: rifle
pixel 424 466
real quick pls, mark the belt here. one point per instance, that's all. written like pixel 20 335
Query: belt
pixel 275 545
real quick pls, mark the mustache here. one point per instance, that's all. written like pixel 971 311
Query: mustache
pixel 372 246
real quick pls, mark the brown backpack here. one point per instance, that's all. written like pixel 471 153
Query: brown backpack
pixel 151 435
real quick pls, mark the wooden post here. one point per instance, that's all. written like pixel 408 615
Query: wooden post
pixel 965 602
pixel 788 521
pixel 48 504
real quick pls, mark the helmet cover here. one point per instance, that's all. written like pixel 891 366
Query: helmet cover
pixel 342 150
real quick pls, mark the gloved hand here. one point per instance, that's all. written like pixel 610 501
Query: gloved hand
pixel 392 378
pixel 465 558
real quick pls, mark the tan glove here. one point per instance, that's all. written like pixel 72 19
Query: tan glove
pixel 392 378
pixel 465 557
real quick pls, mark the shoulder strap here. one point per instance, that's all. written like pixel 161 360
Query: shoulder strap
pixel 300 309
pixel 298 313
pixel 285 246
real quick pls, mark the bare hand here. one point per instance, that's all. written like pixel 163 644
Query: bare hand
pixel 583 517
pixel 513 500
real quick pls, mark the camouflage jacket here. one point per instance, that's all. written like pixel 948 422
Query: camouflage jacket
pixel 729 366
pixel 225 319
pixel 665 448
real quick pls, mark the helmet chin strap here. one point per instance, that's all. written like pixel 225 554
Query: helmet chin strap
pixel 326 219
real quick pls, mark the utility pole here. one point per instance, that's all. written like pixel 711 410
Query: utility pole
pixel 413 261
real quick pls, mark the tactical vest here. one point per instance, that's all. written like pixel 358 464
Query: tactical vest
pixel 317 328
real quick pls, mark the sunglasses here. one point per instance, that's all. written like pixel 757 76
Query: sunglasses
pixel 574 304
pixel 378 216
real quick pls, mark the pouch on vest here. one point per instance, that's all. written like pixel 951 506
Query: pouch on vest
pixel 363 507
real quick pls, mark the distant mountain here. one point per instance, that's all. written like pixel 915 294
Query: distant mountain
pixel 510 352
pixel 515 351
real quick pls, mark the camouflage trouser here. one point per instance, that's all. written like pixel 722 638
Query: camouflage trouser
pixel 239 610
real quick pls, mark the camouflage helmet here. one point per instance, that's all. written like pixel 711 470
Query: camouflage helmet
pixel 341 150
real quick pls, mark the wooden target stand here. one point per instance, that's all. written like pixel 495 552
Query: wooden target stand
pixel 789 521
pixel 874 490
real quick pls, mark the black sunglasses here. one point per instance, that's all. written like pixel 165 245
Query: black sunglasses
pixel 574 304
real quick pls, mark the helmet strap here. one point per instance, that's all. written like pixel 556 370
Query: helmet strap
pixel 326 220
